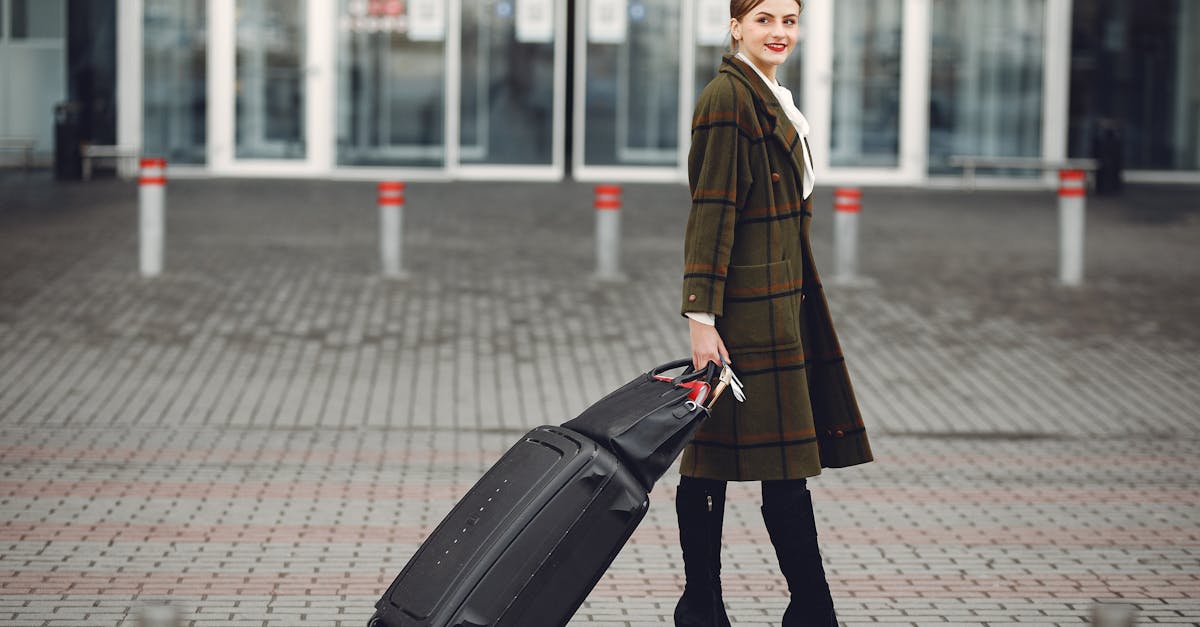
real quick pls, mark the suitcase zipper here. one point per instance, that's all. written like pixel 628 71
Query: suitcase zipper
pixel 709 497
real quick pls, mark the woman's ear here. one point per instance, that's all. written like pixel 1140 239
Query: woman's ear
pixel 735 29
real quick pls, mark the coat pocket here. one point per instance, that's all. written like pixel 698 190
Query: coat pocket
pixel 760 307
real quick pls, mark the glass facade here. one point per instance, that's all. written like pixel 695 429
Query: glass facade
pixel 383 83
pixel 33 70
pixel 632 83
pixel 391 107
pixel 44 19
pixel 866 83
pixel 1135 75
pixel 986 79
pixel 174 80
pixel 271 98
pixel 507 111
pixel 865 121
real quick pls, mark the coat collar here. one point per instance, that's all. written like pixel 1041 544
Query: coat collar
pixel 768 108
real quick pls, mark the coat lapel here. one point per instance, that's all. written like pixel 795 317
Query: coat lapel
pixel 771 116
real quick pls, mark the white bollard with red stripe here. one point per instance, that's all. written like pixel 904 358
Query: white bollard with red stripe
pixel 391 228
pixel 847 204
pixel 152 200
pixel 608 232
pixel 1072 197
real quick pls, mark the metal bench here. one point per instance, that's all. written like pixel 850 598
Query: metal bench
pixel 23 145
pixel 92 152
pixel 970 163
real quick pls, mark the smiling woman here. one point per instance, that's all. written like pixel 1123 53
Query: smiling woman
pixel 750 282
pixel 765 30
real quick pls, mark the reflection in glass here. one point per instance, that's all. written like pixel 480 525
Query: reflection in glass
pixel 985 79
pixel 866 83
pixel 507 88
pixel 43 19
pixel 1134 70
pixel 174 105
pixel 391 91
pixel 271 52
pixel 632 99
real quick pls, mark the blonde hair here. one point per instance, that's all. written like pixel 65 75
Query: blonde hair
pixel 739 9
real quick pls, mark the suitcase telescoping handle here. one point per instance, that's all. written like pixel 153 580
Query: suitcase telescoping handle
pixel 717 381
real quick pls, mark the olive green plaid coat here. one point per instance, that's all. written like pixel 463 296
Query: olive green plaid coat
pixel 747 259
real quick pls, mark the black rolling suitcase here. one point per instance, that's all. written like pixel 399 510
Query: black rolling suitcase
pixel 526 545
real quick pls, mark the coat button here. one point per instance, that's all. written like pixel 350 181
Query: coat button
pixel 839 434
pixel 691 298
pixel 774 177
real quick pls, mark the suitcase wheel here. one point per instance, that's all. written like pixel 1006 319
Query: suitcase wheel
pixel 376 621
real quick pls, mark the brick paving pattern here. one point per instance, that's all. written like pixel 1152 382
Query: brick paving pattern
pixel 264 435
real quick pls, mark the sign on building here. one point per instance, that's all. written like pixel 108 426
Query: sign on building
pixel 712 22
pixel 607 21
pixel 535 21
pixel 426 20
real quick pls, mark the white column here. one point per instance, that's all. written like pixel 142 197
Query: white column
pixel 321 84
pixel 914 91
pixel 222 77
pixel 687 82
pixel 129 80
pixel 818 81
pixel 1056 86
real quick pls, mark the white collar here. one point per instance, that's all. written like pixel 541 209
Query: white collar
pixel 783 95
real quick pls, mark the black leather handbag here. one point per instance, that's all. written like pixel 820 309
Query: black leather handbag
pixel 647 422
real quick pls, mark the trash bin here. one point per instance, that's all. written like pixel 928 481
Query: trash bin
pixel 68 160
pixel 1107 149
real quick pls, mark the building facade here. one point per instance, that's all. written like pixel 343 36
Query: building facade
pixel 603 89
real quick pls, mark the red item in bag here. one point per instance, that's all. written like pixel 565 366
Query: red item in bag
pixel 699 389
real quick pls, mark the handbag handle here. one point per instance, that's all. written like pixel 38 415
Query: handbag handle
pixel 709 372
pixel 718 382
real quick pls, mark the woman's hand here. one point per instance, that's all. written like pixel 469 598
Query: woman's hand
pixel 706 345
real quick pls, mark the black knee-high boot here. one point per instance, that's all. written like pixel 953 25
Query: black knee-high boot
pixel 788 512
pixel 700 506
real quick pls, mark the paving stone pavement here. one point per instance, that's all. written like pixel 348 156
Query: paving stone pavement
pixel 264 435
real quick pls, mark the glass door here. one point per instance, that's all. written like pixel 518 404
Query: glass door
pixel 271 94
pixel 464 88
pixel 391 85
pixel 865 126
pixel 628 88
pixel 512 87
pixel 174 76
pixel 986 96
pixel 863 90
pixel 269 67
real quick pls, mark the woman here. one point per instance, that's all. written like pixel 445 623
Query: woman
pixel 753 299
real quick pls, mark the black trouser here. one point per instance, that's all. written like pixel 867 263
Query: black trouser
pixel 788 513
